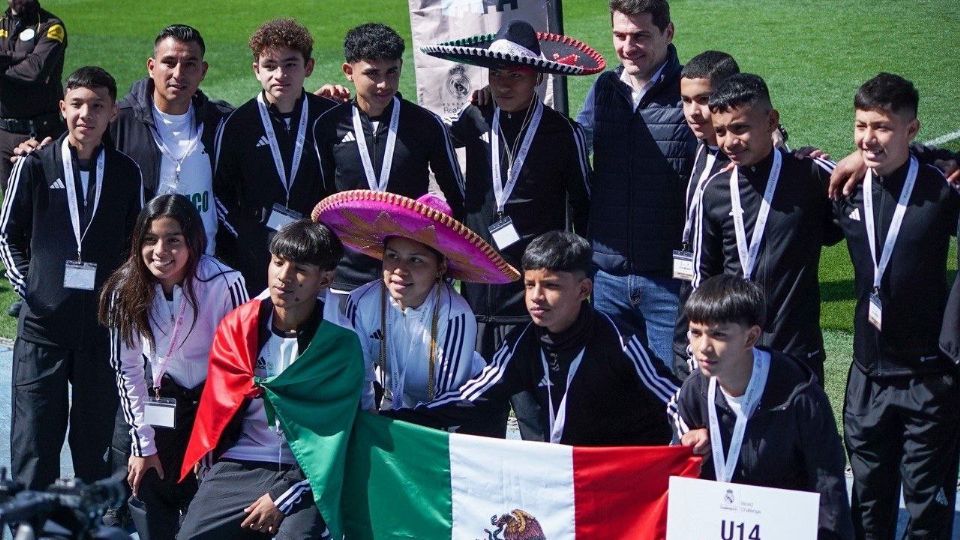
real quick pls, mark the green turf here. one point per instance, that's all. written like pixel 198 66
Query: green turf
pixel 813 54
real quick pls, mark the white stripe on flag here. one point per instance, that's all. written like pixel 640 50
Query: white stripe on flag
pixel 490 479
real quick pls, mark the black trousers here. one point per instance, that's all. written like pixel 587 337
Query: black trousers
pixel 161 503
pixel 42 411
pixel 902 431
pixel 230 486
pixel 490 337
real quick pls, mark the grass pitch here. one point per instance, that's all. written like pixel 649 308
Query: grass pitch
pixel 813 55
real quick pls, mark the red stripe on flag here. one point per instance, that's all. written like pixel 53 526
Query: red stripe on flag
pixel 622 492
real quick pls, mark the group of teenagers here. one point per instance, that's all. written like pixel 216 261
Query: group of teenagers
pixel 533 280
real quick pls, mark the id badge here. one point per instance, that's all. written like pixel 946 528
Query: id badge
pixel 80 275
pixel 875 311
pixel 504 233
pixel 160 412
pixel 683 265
pixel 280 216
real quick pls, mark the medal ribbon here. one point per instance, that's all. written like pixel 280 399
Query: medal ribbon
pixel 748 259
pixel 880 267
pixel 725 466
pixel 72 202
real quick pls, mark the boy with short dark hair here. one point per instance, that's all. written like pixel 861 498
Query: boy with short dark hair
pixel 64 228
pixel 902 404
pixel 267 172
pixel 257 485
pixel 698 79
pixel 766 219
pixel 592 389
pixel 791 441
pixel 381 141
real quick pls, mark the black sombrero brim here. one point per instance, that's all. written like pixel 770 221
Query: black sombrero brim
pixel 562 55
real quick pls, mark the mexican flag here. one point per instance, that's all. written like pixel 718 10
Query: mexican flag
pixel 407 481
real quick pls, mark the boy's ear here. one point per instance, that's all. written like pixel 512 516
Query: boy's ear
pixel 327 279
pixel 913 128
pixel 585 288
pixel 114 111
pixel 308 67
pixel 774 119
pixel 753 336
pixel 348 71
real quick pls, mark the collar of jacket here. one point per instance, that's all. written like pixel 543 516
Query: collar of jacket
pixel 788 377
pixel 572 339
pixel 304 333
pixel 141 101
pixel 671 71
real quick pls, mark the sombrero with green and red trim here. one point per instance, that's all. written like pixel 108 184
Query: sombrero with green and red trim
pixel 518 44
pixel 365 219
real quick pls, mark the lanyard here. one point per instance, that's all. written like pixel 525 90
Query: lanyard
pixel 704 175
pixel 748 259
pixel 165 150
pixel 557 424
pixel 72 201
pixel 375 183
pixel 724 467
pixel 161 361
pixel 895 223
pixel 502 192
pixel 275 147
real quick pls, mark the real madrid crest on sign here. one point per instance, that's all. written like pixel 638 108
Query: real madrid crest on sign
pixel 27 34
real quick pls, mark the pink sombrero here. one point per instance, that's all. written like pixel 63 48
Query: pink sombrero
pixel 364 219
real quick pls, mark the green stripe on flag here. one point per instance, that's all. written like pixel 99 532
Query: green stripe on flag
pixel 397 482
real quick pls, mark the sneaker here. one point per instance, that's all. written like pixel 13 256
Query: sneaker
pixel 117 517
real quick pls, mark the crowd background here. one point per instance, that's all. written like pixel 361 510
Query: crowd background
pixel 813 55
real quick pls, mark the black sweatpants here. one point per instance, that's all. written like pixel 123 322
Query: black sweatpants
pixel 158 509
pixel 42 411
pixel 230 486
pixel 902 431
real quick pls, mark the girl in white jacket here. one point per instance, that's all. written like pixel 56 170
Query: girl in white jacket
pixel 163 306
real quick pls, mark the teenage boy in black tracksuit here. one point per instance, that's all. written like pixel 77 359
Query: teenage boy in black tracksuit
pixel 902 406
pixel 63 231
pixel 698 78
pixel 615 392
pixel 799 220
pixel 791 440
pixel 373 60
pixel 266 134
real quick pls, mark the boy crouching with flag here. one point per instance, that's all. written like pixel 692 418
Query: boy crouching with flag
pixel 282 392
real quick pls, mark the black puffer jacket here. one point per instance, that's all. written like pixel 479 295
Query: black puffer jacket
pixel 641 162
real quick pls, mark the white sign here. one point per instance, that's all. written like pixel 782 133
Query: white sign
pixel 708 510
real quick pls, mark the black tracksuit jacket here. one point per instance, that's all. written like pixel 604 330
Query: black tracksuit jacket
pixel 36 240
pixel 247 186
pixel 799 224
pixel 423 145
pixel 791 441
pixel 555 173
pixel 914 288
pixel 618 396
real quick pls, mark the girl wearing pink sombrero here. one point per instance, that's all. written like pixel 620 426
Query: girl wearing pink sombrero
pixel 416 331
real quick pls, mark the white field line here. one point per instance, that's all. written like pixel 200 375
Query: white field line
pixel 943 139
